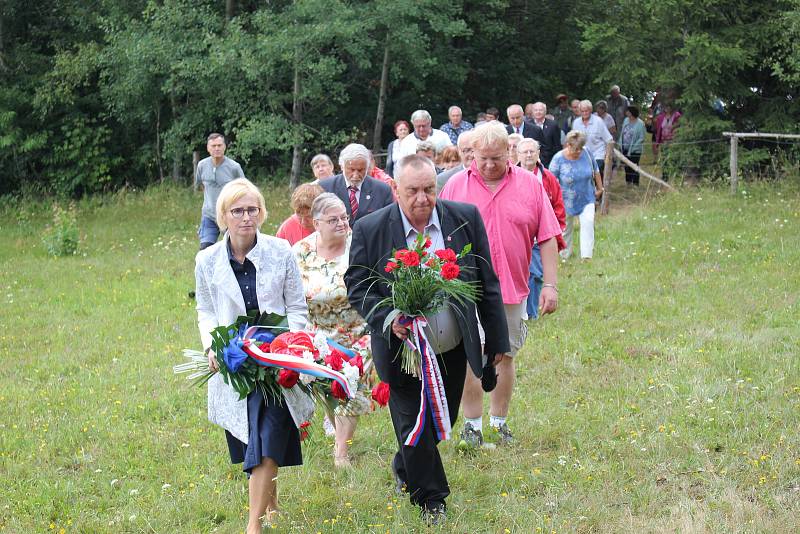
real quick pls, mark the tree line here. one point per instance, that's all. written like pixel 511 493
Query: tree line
pixel 97 95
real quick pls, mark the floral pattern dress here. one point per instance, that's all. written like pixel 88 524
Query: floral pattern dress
pixel 329 311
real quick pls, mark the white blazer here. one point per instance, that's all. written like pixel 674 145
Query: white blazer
pixel 220 302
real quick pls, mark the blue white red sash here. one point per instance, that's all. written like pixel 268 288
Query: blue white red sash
pixel 432 394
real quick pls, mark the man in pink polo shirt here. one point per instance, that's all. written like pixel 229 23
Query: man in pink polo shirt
pixel 515 210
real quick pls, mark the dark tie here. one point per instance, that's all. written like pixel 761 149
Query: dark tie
pixel 353 202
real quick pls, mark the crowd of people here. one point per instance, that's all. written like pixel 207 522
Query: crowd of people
pixel 513 191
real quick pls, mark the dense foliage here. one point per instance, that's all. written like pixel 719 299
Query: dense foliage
pixel 99 95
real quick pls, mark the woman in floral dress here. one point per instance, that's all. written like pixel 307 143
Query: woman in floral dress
pixel 323 260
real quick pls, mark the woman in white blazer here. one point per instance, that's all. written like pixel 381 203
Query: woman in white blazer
pixel 248 270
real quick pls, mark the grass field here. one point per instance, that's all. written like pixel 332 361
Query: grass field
pixel 663 396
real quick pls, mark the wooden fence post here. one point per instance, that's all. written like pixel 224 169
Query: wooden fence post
pixel 734 163
pixel 608 170
pixel 195 162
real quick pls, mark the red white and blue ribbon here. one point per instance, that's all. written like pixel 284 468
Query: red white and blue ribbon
pixel 432 394
pixel 298 364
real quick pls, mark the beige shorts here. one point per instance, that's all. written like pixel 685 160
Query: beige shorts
pixel 517 329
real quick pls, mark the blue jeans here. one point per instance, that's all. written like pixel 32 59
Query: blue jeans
pixel 534 282
pixel 208 232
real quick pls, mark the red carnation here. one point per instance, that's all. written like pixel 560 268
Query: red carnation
pixel 338 391
pixel 288 378
pixel 410 259
pixel 450 270
pixel 380 393
pixel 358 361
pixel 334 360
pixel 446 254
pixel 431 263
pixel 304 430
pixel 400 253
pixel 427 243
pixel 391 266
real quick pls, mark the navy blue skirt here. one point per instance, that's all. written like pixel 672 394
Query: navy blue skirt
pixel 273 435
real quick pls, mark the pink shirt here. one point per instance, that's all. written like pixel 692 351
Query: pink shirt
pixel 514 214
pixel 292 231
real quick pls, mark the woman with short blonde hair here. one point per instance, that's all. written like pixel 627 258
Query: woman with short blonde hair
pixel 249 272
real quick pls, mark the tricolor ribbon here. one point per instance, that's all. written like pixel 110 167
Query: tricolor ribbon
pixel 295 363
pixel 432 394
pixel 251 333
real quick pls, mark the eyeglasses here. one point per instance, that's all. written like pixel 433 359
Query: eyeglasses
pixel 251 211
pixel 336 220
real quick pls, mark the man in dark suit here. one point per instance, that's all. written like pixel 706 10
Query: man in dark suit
pixel 516 122
pixel 454 331
pixel 362 194
pixel 547 132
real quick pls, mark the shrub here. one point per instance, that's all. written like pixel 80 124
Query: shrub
pixel 61 237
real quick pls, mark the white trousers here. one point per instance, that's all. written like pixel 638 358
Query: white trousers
pixel 586 220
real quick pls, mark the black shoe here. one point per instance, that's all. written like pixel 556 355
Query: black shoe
pixel 434 513
pixel 399 483
pixel 191 294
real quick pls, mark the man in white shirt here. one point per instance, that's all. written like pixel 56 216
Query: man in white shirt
pixel 598 138
pixel 421 120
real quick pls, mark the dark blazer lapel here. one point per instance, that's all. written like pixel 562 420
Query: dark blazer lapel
pixel 366 194
pixel 454 237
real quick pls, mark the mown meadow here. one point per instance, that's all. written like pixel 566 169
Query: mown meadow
pixel 663 396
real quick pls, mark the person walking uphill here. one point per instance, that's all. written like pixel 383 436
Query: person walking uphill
pixel 455 337
pixel 517 213
pixel 212 174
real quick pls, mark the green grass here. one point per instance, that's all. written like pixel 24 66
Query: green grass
pixel 663 396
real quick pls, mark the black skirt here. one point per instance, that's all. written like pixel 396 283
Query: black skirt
pixel 273 435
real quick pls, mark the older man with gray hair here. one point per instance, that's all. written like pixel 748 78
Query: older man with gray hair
pixel 421 121
pixel 617 106
pixel 457 124
pixel 465 151
pixel 362 194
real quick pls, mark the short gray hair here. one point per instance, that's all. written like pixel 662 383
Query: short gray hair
pixel 323 203
pixel 412 161
pixel 425 146
pixel 451 108
pixel 615 87
pixel 421 114
pixel 352 152
pixel 528 141
pixel 465 139
pixel 321 157
pixel 585 104
pixel 515 137
pixel 575 138
pixel 514 106
pixel 601 104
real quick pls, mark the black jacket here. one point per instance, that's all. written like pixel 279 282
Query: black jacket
pixel 373 239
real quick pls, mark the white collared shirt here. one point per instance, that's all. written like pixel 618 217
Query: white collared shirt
pixel 443 331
